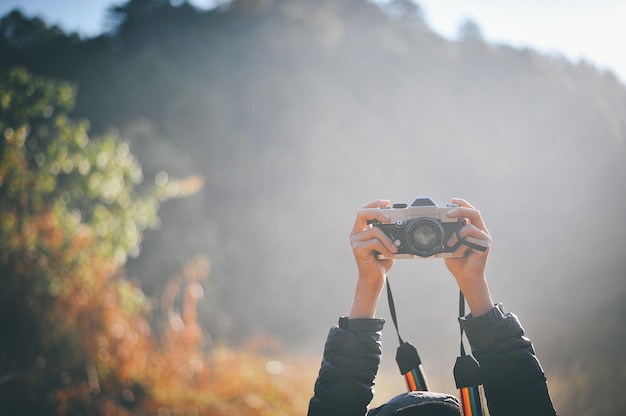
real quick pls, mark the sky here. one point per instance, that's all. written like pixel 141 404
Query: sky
pixel 576 29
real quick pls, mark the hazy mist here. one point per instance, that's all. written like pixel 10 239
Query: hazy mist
pixel 297 113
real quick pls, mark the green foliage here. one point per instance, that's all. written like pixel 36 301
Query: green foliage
pixel 48 162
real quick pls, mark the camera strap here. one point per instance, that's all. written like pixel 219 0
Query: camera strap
pixel 466 369
pixel 407 357
pixel 467 375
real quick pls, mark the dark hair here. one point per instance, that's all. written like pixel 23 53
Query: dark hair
pixel 430 409
pixel 419 404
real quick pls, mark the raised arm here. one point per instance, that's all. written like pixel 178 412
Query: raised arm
pixel 513 379
pixel 365 241
pixel 344 386
pixel 468 265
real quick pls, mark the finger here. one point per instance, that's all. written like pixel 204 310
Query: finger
pixel 462 251
pixel 472 235
pixel 461 202
pixel 465 210
pixel 470 246
pixel 369 212
pixel 367 248
pixel 471 232
pixel 378 203
pixel 374 233
pixel 477 244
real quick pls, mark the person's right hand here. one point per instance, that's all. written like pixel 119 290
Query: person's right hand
pixel 366 240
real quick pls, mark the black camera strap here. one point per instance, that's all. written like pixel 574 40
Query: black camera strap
pixel 407 357
pixel 467 375
pixel 466 369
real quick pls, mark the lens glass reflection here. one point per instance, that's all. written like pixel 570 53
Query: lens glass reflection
pixel 425 236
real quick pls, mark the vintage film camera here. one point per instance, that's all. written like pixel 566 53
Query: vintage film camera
pixel 421 230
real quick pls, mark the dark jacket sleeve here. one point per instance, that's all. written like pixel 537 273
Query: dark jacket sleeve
pixel 344 386
pixel 513 379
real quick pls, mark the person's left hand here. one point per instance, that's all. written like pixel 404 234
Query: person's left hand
pixel 468 265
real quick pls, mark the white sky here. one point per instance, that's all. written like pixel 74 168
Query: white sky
pixel 592 30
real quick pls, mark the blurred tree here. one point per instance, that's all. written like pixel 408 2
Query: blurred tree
pixel 76 335
pixel 405 9
pixel 469 31
pixel 70 216
pixel 32 43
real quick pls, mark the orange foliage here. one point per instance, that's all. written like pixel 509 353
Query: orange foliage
pixel 129 372
pixel 110 362
pixel 221 380
pixel 174 375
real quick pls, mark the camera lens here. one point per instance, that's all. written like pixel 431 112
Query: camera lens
pixel 424 236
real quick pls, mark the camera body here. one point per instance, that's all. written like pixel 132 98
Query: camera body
pixel 420 230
